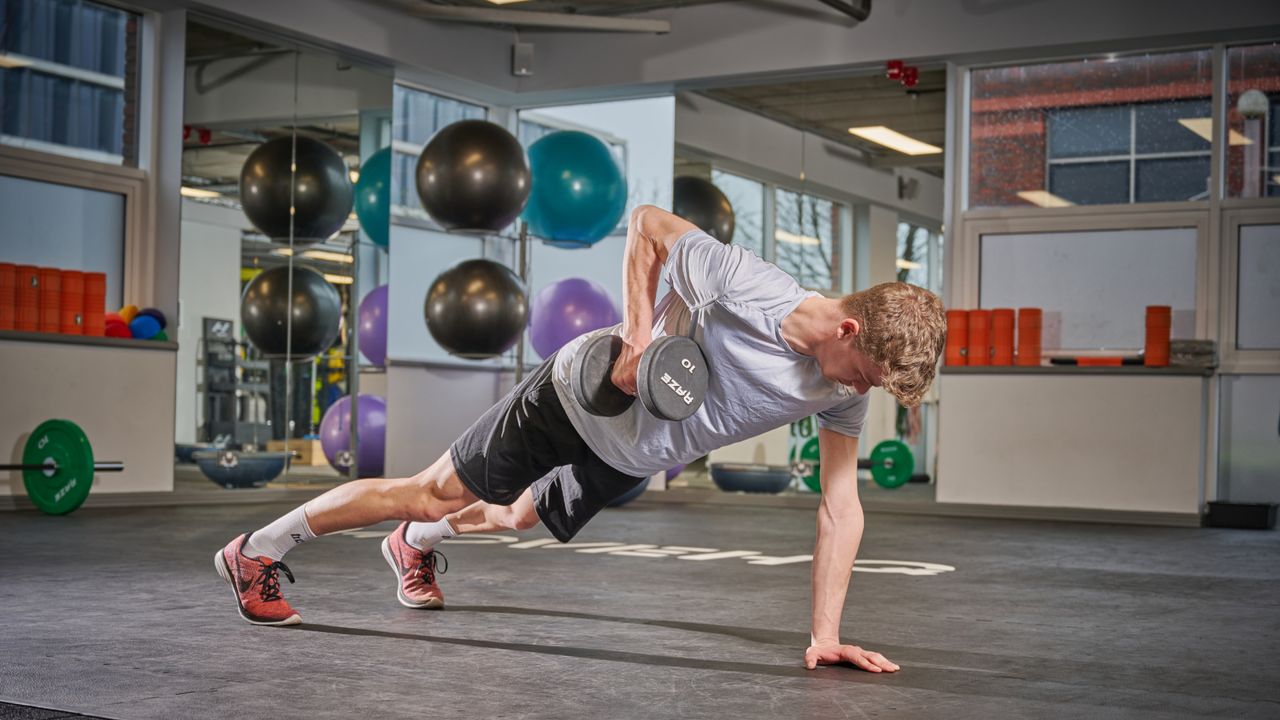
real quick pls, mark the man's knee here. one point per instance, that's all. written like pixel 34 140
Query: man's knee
pixel 436 492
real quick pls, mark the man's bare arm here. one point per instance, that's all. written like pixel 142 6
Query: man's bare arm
pixel 651 233
pixel 840 523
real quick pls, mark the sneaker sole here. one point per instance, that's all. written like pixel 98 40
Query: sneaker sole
pixel 220 564
pixel 432 604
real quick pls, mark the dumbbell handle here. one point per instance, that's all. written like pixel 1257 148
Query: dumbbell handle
pixel 866 464
pixel 105 466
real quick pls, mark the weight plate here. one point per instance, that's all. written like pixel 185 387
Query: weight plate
pixel 672 379
pixel 61 490
pixel 590 373
pixel 892 464
pixel 808 453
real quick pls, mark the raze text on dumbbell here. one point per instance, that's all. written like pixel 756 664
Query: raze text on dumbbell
pixel 671 383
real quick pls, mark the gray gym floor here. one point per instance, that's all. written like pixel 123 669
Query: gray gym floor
pixel 119 614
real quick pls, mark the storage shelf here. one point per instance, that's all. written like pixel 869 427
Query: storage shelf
pixel 130 343
pixel 1073 370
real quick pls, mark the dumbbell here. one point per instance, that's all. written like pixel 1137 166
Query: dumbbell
pixel 671 381
pixel 58 467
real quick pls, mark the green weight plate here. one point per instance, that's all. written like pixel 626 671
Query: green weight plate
pixel 65 488
pixel 808 452
pixel 892 464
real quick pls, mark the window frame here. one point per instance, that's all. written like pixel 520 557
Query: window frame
pixel 132 183
pixel 1233 360
pixel 1132 158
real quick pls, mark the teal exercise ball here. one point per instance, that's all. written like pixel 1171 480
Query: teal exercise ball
pixel 579 192
pixel 373 196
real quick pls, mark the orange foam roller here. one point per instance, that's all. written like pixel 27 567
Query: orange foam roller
pixel 957 337
pixel 979 337
pixel 1002 321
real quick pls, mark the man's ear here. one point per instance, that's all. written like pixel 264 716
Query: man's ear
pixel 848 327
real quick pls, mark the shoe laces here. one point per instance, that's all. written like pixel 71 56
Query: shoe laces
pixel 269 579
pixel 431 563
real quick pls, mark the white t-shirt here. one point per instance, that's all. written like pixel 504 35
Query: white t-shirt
pixel 756 383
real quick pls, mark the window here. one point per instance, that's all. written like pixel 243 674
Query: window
pixel 1094 285
pixel 1253 121
pixel 417 116
pixel 46 224
pixel 806 233
pixel 1130 153
pixel 68 79
pixel 1091 132
pixel 919 256
pixel 747 198
pixel 1258 298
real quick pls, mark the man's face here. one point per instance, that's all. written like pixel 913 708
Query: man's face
pixel 841 362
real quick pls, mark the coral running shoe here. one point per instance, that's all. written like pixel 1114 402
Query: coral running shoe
pixel 415 571
pixel 256 585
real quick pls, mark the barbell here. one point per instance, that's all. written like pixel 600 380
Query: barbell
pixel 891 464
pixel 58 466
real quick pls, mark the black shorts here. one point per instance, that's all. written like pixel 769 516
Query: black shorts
pixel 526 440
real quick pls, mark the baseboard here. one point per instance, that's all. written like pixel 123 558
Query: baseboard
pixel 921 507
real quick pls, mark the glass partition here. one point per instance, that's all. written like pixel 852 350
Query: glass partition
pixel 286 210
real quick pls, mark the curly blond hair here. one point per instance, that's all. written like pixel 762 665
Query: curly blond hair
pixel 903 330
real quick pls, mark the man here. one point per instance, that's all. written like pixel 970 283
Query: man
pixel 776 353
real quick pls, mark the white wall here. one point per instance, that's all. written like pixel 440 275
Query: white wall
pixel 208 286
pixel 428 407
pixel 121 397
pixel 453 57
pixel 265 94
pixel 1107 442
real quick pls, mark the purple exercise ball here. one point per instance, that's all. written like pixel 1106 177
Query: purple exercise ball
pixel 372 326
pixel 673 472
pixel 566 309
pixel 335 433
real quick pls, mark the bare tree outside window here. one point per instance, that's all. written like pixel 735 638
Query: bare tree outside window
pixel 806 229
pixel 747 198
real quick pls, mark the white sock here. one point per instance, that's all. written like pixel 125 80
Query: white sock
pixel 281 536
pixel 424 536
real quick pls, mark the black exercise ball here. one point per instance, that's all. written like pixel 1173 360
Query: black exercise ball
pixel 316 311
pixel 702 204
pixel 321 190
pixel 476 309
pixel 473 176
